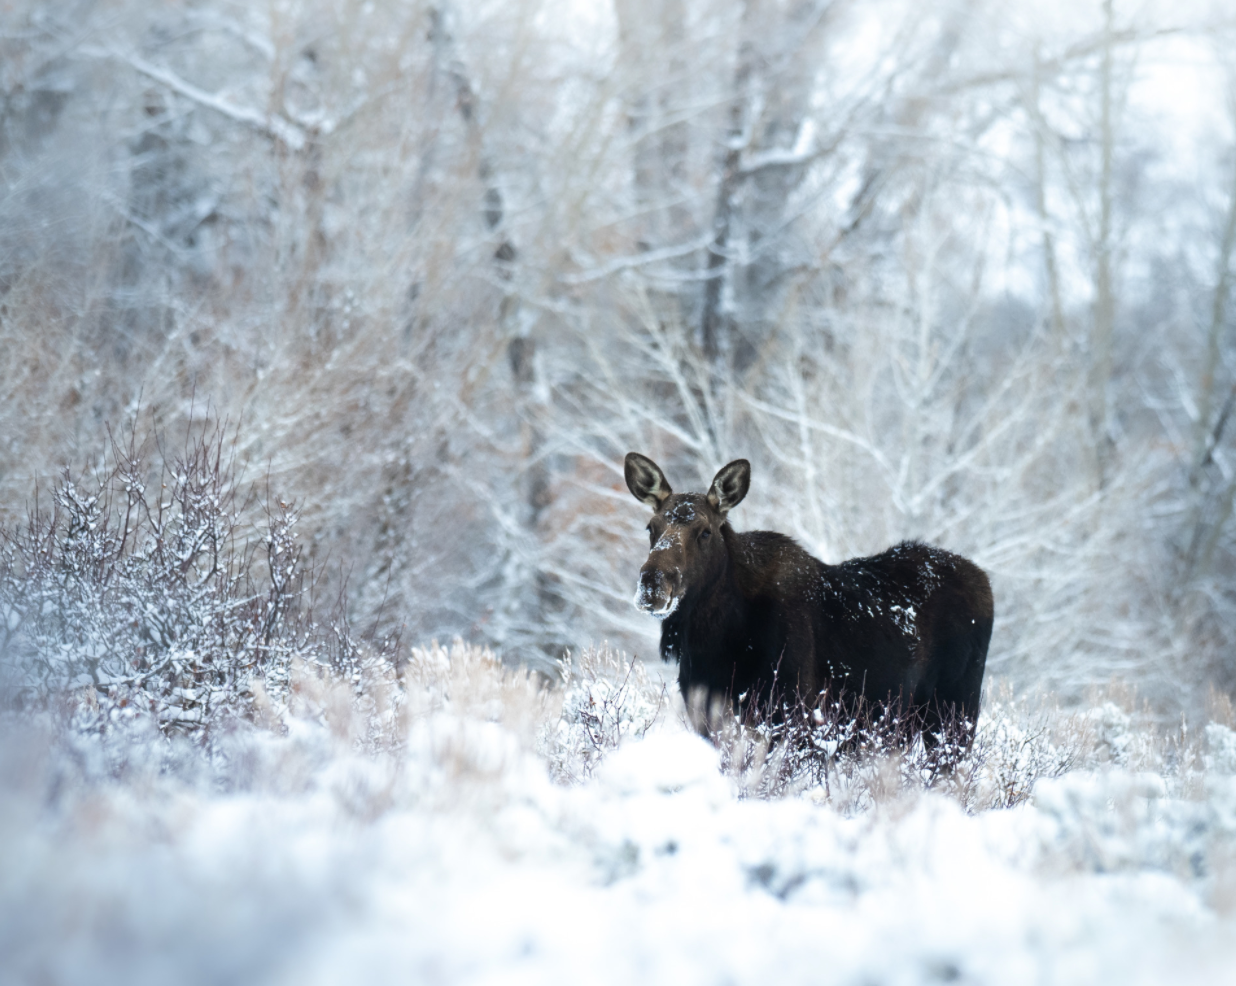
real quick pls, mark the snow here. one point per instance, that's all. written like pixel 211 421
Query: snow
pixel 459 859
pixel 1222 744
pixel 668 609
pixel 670 539
pixel 646 593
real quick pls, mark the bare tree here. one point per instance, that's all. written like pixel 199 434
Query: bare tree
pixel 444 264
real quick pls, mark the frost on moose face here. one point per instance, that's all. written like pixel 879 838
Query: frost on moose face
pixel 655 595
pixel 662 579
pixel 683 513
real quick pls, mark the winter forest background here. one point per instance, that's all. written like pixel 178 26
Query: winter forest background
pixel 955 271
pixel 341 317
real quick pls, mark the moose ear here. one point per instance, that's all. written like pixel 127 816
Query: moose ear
pixel 645 480
pixel 730 485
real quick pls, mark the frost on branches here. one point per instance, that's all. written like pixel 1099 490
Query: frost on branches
pixel 150 591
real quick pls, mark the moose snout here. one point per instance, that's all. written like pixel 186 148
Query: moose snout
pixel 657 592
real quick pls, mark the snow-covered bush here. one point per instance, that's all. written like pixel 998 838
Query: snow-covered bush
pixel 1221 742
pixel 856 762
pixel 162 590
pixel 607 698
pixel 1018 744
pixel 850 755
pixel 451 818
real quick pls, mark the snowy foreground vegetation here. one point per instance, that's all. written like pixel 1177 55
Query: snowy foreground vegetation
pixel 207 780
pixel 459 822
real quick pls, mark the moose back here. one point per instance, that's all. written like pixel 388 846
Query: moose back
pixel 753 619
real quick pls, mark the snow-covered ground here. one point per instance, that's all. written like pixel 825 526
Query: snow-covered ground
pixel 461 855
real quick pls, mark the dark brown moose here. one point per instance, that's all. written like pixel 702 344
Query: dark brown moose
pixel 753 620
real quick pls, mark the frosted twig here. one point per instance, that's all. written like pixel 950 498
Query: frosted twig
pixel 271 124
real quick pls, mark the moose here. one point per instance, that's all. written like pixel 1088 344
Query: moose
pixel 754 620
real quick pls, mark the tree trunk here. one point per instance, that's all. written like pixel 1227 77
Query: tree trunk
pixel 651 38
pixel 1040 200
pixel 1104 298
pixel 764 162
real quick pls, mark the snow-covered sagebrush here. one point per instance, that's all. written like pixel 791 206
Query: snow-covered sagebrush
pixel 503 831
pixel 161 591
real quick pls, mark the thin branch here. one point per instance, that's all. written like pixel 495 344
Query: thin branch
pixel 637 260
pixel 272 125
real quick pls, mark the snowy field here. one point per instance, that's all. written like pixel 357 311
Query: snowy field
pixel 325 328
pixel 465 826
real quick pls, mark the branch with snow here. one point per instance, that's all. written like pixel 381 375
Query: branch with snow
pixel 274 125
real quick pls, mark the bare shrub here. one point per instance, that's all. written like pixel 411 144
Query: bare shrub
pixel 457 718
pixel 1017 744
pixel 161 589
pixel 852 753
pixel 606 699
pixel 854 760
pixel 854 756
pixel 472 681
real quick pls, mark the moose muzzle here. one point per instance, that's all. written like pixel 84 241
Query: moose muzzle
pixel 658 591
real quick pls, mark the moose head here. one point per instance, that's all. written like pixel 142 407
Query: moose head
pixel 686 533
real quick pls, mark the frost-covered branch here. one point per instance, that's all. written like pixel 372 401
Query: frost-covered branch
pixel 273 125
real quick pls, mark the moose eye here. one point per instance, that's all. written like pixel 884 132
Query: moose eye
pixel 705 534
